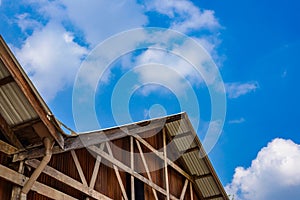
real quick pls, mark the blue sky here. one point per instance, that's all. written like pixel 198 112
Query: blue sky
pixel 254 44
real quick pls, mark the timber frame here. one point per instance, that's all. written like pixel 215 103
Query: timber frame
pixel 162 156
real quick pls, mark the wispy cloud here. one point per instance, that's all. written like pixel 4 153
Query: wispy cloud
pixel 185 15
pixel 237 89
pixel 274 174
pixel 237 121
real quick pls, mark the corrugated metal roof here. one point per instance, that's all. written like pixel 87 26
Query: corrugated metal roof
pixel 196 160
pixel 14 106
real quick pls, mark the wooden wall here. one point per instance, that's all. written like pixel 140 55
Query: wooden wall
pixel 106 182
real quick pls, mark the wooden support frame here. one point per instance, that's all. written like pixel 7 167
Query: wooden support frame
pixel 191 191
pixel 7 148
pixel 78 167
pixel 96 168
pixel 184 189
pixel 127 169
pixel 6 80
pixel 132 167
pixel 20 179
pixel 161 156
pixel 166 163
pixel 9 134
pixel 146 167
pixel 68 180
pixel 117 173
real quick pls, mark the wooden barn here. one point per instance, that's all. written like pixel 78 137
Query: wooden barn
pixel 153 159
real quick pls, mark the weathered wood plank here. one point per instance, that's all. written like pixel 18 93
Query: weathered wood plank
pixel 20 179
pixel 184 189
pixel 129 170
pixel 132 167
pixel 96 169
pixel 6 80
pixel 191 191
pixel 117 173
pixel 166 163
pixel 78 167
pixel 9 134
pixel 146 167
pixel 161 156
pixel 68 180
pixel 7 148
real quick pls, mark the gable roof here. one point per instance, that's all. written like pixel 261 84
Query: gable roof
pixel 25 120
pixel 185 145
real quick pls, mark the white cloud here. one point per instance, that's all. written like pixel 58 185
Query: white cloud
pixel 185 15
pixel 235 90
pixel 102 19
pixel 51 50
pixel 274 174
pixel 51 58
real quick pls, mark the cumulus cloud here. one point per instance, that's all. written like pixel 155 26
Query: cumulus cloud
pixel 273 174
pixel 59 33
pixel 51 58
pixel 51 54
pixel 237 89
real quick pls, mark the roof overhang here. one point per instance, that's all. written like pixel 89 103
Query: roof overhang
pixel 21 105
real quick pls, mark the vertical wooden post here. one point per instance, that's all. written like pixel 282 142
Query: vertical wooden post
pixel 16 190
pixel 191 191
pixel 117 173
pixel 166 163
pixel 132 167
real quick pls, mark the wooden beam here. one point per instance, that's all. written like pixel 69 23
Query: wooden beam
pixel 16 189
pixel 7 148
pixel 132 167
pixel 84 140
pixel 178 136
pixel 191 191
pixel 184 189
pixel 202 176
pixel 97 137
pixel 19 179
pixel 78 167
pixel 96 168
pixel 129 170
pixel 9 134
pixel 25 124
pixel 213 197
pixel 28 90
pixel 6 80
pixel 161 156
pixel 196 148
pixel 166 163
pixel 68 180
pixel 146 167
pixel 117 173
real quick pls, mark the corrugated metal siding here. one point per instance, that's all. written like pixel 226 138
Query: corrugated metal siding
pixel 3 71
pixel 14 106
